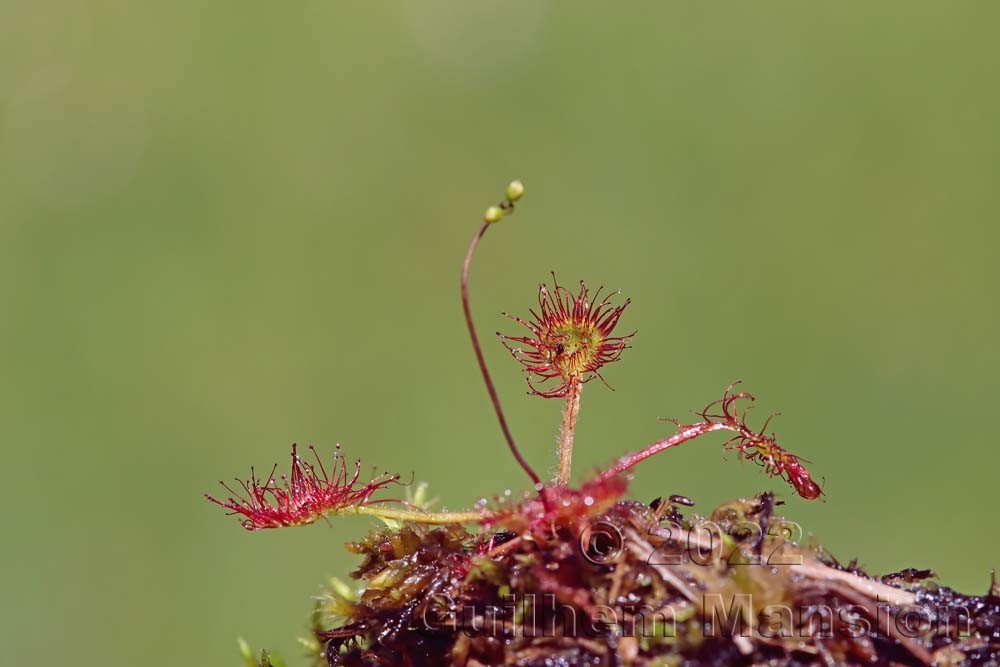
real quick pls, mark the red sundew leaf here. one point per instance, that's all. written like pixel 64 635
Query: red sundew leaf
pixel 571 338
pixel 309 493
pixel 761 448
pixel 752 445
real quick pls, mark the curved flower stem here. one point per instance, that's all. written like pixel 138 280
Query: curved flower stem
pixel 417 517
pixel 567 431
pixel 479 353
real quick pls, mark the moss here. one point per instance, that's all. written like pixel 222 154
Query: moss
pixel 654 588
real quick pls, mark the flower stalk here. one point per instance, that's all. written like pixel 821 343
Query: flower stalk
pixel 493 215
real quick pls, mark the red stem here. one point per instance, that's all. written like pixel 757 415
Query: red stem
pixel 482 362
pixel 689 433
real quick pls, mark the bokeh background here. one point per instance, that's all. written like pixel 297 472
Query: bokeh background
pixel 228 226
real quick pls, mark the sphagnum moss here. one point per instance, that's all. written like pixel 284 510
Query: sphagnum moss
pixel 582 576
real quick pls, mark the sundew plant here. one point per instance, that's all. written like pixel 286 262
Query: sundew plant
pixel 567 575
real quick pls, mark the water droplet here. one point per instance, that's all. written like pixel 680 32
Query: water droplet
pixel 588 501
pixel 506 492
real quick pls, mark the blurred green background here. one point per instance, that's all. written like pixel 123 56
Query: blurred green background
pixel 226 227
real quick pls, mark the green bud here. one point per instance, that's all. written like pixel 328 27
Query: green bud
pixel 493 214
pixel 515 190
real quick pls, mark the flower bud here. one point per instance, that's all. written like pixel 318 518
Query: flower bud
pixel 515 190
pixel 493 214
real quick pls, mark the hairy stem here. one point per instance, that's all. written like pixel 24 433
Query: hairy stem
pixel 415 516
pixel 567 431
pixel 689 433
pixel 479 354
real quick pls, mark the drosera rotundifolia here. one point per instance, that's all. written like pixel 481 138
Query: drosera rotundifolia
pixel 562 575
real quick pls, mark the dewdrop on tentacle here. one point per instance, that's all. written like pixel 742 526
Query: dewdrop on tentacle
pixel 752 445
pixel 571 338
pixel 309 493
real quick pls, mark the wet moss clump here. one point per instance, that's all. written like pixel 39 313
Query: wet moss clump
pixel 640 584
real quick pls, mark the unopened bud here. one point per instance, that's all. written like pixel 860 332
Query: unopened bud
pixel 493 214
pixel 515 190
